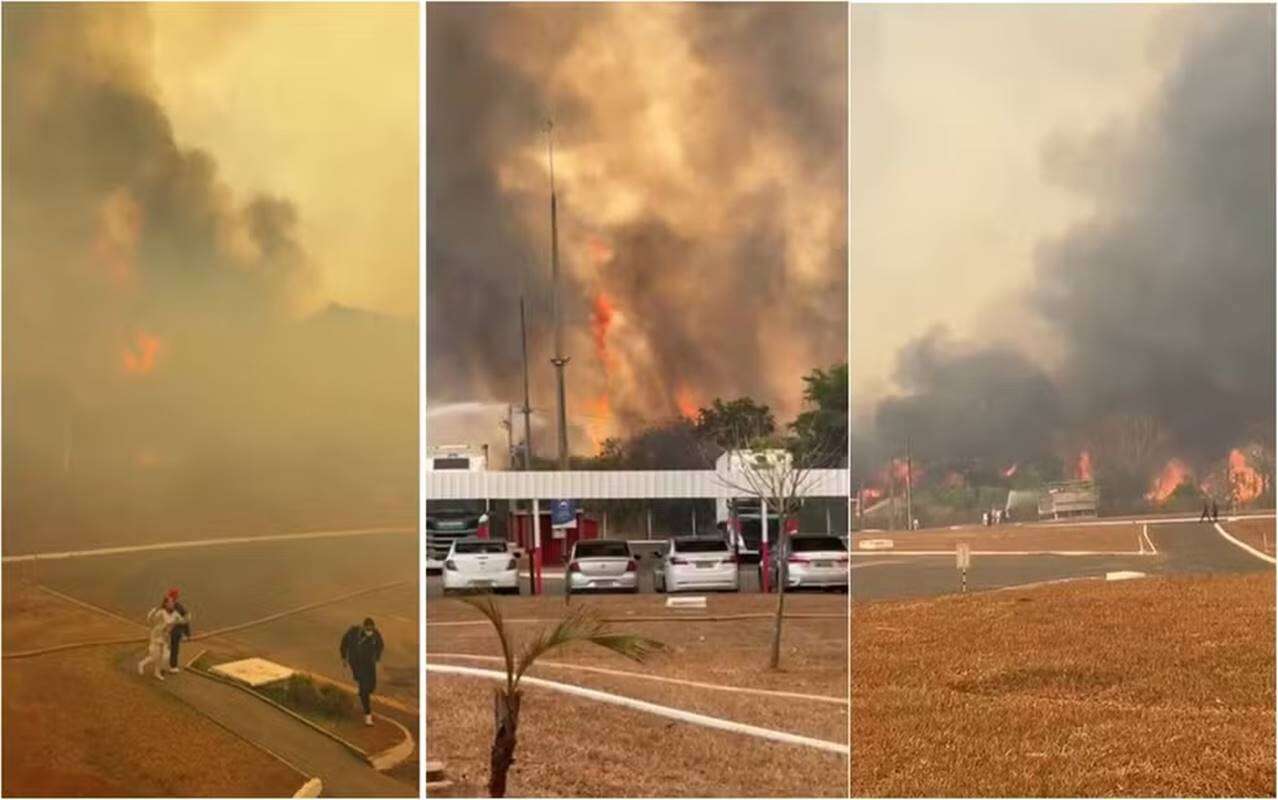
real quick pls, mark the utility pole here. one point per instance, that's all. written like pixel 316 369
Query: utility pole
pixel 509 424
pixel 527 410
pixel 909 484
pixel 560 360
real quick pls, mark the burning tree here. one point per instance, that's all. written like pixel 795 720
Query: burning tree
pixel 580 625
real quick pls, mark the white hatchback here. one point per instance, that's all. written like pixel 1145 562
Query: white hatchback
pixel 481 564
pixel 697 563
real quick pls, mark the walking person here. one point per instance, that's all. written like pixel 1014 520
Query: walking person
pixel 1215 511
pixel 180 629
pixel 1206 515
pixel 162 618
pixel 361 649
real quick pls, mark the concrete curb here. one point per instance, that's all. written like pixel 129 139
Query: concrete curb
pixel 1245 546
pixel 312 788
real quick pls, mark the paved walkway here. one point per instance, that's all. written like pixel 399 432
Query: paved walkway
pixel 311 752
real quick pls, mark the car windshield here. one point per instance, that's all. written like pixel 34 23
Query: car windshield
pixel 700 546
pixel 481 546
pixel 602 549
pixel 810 544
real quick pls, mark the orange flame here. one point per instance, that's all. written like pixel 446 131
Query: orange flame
pixel 1247 483
pixel 119 227
pixel 600 406
pixel 1010 471
pixel 600 321
pixel 954 480
pixel 1083 469
pixel 1173 474
pixel 140 355
pixel 686 402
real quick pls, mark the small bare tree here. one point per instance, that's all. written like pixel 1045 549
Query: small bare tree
pixel 780 475
pixel 580 625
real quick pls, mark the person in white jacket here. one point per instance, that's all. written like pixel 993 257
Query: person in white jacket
pixel 161 619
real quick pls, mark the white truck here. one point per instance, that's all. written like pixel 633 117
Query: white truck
pixel 450 520
pixel 740 518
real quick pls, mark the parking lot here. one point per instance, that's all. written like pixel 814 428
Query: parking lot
pixel 553 576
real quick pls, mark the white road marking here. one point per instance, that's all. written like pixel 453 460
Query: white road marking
pixel 142 548
pixel 820 698
pixel 703 720
pixel 1245 546
pixel 1152 550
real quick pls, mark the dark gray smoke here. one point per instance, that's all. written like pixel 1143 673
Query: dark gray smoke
pixel 725 264
pixel 159 380
pixel 1163 297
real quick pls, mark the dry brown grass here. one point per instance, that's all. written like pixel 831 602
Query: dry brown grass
pixel 570 747
pixel 814 656
pixel 1105 539
pixel 76 724
pixel 583 748
pixel 1259 533
pixel 1159 687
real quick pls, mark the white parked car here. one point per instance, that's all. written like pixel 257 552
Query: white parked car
pixel 815 560
pixel 481 564
pixel 602 564
pixel 697 563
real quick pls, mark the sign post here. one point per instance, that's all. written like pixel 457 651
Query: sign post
pixel 963 557
pixel 536 553
pixel 764 555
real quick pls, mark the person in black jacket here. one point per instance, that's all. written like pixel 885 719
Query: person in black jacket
pixel 361 650
pixel 182 628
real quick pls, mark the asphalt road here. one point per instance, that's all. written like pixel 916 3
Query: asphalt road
pixel 1183 547
pixel 225 585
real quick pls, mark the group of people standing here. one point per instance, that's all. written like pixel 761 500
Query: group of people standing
pixel 360 649
pixel 995 516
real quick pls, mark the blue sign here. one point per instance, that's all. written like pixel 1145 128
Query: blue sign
pixel 563 513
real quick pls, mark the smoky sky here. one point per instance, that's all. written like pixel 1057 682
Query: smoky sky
pixel 700 171
pixel 1161 297
pixel 160 377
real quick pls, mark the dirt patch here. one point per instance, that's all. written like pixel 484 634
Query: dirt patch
pixel 1093 538
pixel 1160 687
pixel 76 725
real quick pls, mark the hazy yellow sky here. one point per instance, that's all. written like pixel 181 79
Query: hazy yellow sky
pixel 952 109
pixel 317 103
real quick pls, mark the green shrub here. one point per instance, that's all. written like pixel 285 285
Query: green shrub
pixel 306 696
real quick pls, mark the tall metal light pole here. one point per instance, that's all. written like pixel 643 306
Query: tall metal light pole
pixel 527 409
pixel 560 360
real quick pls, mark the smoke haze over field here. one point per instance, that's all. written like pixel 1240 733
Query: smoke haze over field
pixel 700 161
pixel 172 359
pixel 1154 301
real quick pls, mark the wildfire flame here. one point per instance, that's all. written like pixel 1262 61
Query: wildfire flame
pixel 600 321
pixel 686 402
pixel 140 355
pixel 1168 480
pixel 1083 468
pixel 1010 471
pixel 1247 483
pixel 119 227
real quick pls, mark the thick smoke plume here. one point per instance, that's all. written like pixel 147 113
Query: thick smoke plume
pixel 162 372
pixel 1163 298
pixel 700 162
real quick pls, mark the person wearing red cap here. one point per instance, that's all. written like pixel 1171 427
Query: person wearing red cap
pixel 162 618
pixel 181 628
